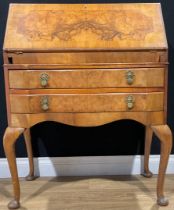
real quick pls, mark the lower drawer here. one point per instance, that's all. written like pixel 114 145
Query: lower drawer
pixel 108 102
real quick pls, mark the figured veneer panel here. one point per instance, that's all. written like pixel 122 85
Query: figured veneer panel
pixel 85 26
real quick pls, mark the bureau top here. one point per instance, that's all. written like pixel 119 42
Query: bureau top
pixel 32 27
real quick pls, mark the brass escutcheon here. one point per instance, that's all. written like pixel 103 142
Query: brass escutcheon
pixel 130 77
pixel 130 101
pixel 44 103
pixel 44 79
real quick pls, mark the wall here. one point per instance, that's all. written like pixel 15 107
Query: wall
pixel 52 139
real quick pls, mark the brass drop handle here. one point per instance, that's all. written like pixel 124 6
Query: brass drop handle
pixel 130 77
pixel 44 103
pixel 130 101
pixel 44 79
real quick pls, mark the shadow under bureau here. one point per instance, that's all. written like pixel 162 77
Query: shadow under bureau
pixel 85 65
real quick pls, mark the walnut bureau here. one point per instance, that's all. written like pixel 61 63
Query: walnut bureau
pixel 86 65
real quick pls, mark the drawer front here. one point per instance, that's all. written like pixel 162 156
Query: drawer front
pixel 87 102
pixel 93 78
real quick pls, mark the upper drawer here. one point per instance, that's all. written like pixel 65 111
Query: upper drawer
pixel 82 58
pixel 86 78
pixel 104 102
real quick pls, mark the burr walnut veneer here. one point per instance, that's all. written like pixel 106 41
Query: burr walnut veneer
pixel 86 65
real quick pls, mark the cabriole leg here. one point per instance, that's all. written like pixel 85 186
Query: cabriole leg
pixel 9 139
pixel 164 134
pixel 148 141
pixel 27 137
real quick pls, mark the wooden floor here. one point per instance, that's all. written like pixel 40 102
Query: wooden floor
pixel 88 193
